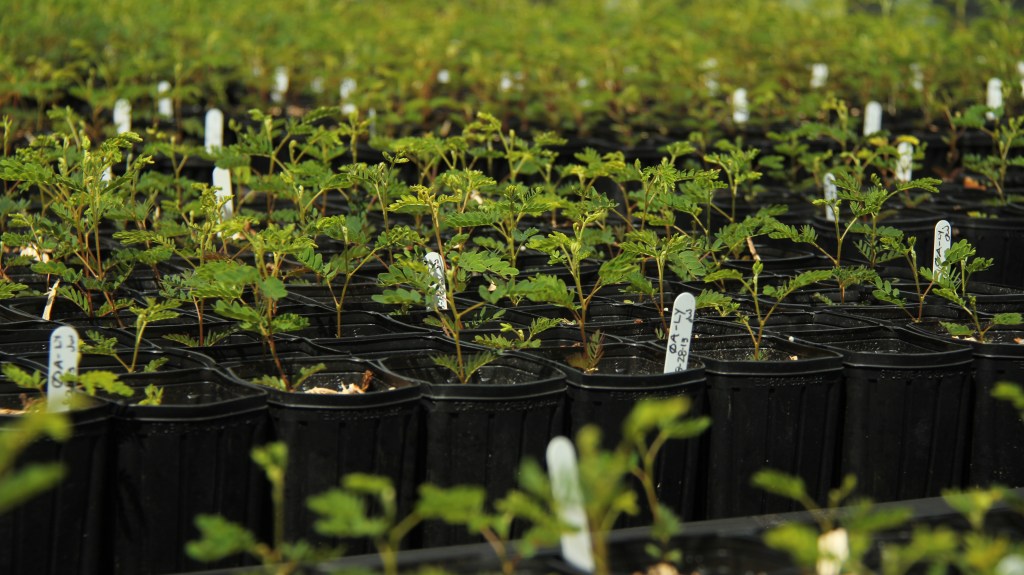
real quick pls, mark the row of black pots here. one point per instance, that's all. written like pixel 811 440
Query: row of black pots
pixel 779 399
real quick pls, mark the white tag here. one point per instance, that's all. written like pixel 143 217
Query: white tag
pixel 565 487
pixel 444 76
pixel 280 85
pixel 123 116
pixel 63 360
pixel 347 88
pixel 943 238
pixel 164 106
pixel 348 108
pixel 819 75
pixel 436 266
pixel 872 118
pixel 222 183
pixel 677 352
pixel 371 115
pixel 1020 72
pixel 710 67
pixel 916 77
pixel 317 85
pixel 51 296
pixel 506 82
pixel 831 193
pixel 905 163
pixel 740 106
pixel 993 97
pixel 213 133
pixel 107 175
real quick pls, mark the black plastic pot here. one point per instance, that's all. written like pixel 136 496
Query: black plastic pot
pixel 627 374
pixel 188 456
pixel 479 433
pixel 61 531
pixel 330 435
pixel 781 413
pixel 906 411
pixel 997 238
pixel 997 438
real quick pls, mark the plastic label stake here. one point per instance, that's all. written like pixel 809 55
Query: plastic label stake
pixel 506 82
pixel 280 85
pixel 444 76
pixel 831 194
pixel 63 361
pixel 107 174
pixel 740 106
pixel 916 77
pixel 316 85
pixel 943 238
pixel 905 163
pixel 164 106
pixel 710 67
pixel 123 116
pixel 819 75
pixel 222 184
pixel 347 88
pixel 872 118
pixel 680 331
pixel 1020 72
pixel 565 486
pixel 436 266
pixel 993 97
pixel 213 132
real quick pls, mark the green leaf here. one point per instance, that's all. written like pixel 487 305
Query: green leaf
pixel 480 262
pixel 21 485
pixel 798 540
pixel 22 378
pixel 96 380
pixel 343 514
pixel 781 484
pixel 219 538
pixel 273 288
pixel 458 505
pixel 1007 319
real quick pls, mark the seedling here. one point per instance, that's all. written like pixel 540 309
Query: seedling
pixel 765 298
pixel 952 284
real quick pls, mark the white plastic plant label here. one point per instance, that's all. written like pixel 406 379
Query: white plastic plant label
pixel 505 84
pixel 222 184
pixel 819 75
pixel 123 116
pixel 444 76
pixel 1020 72
pixel 831 194
pixel 740 106
pixel 316 85
pixel 943 239
pixel 371 116
pixel 164 105
pixel 63 361
pixel 916 77
pixel 107 175
pixel 347 88
pixel 710 67
pixel 680 331
pixel 993 97
pixel 905 162
pixel 872 118
pixel 436 266
pixel 213 132
pixel 565 486
pixel 280 85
